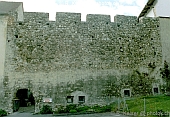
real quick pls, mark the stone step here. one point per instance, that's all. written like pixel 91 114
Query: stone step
pixel 29 109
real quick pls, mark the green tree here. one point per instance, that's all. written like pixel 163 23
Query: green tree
pixel 165 72
pixel 141 83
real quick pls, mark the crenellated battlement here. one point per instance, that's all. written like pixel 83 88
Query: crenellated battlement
pixel 36 16
pixel 67 19
pixel 92 18
pixel 125 19
pixel 120 41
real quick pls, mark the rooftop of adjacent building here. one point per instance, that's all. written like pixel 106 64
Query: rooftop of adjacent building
pixel 147 7
pixel 6 7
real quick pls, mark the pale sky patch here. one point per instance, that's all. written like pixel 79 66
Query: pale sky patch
pixel 108 7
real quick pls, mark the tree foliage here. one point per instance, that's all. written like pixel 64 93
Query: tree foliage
pixel 46 109
pixel 165 72
pixel 3 112
pixel 141 83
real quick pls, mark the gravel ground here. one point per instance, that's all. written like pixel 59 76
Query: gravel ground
pixel 18 114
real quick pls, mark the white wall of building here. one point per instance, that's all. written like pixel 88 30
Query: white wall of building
pixel 165 38
pixel 3 36
pixel 151 13
pixel 161 8
pixel 20 12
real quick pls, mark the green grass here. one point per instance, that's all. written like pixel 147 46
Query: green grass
pixel 153 104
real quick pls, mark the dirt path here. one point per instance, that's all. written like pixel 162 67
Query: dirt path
pixel 17 114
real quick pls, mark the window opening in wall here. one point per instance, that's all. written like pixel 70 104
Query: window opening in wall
pixel 28 60
pixel 20 23
pixel 121 49
pixel 81 99
pixel 70 99
pixel 127 93
pixel 16 36
pixel 154 53
pixel 155 90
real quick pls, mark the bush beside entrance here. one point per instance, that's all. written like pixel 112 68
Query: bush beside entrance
pixel 73 108
pixel 3 112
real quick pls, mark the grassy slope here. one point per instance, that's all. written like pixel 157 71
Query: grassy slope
pixel 153 104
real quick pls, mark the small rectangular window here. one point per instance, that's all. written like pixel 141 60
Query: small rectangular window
pixel 16 36
pixel 127 93
pixel 155 90
pixel 70 99
pixel 81 99
pixel 20 23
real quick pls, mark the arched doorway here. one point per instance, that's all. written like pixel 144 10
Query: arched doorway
pixel 24 101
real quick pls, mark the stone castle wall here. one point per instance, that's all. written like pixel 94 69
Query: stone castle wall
pixel 68 43
pixel 56 58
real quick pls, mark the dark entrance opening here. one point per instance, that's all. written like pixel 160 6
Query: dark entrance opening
pixel 127 93
pixel 25 99
pixel 155 90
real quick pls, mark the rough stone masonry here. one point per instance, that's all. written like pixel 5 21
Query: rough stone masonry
pixel 69 58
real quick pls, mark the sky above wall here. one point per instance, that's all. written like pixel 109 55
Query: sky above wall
pixel 108 7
